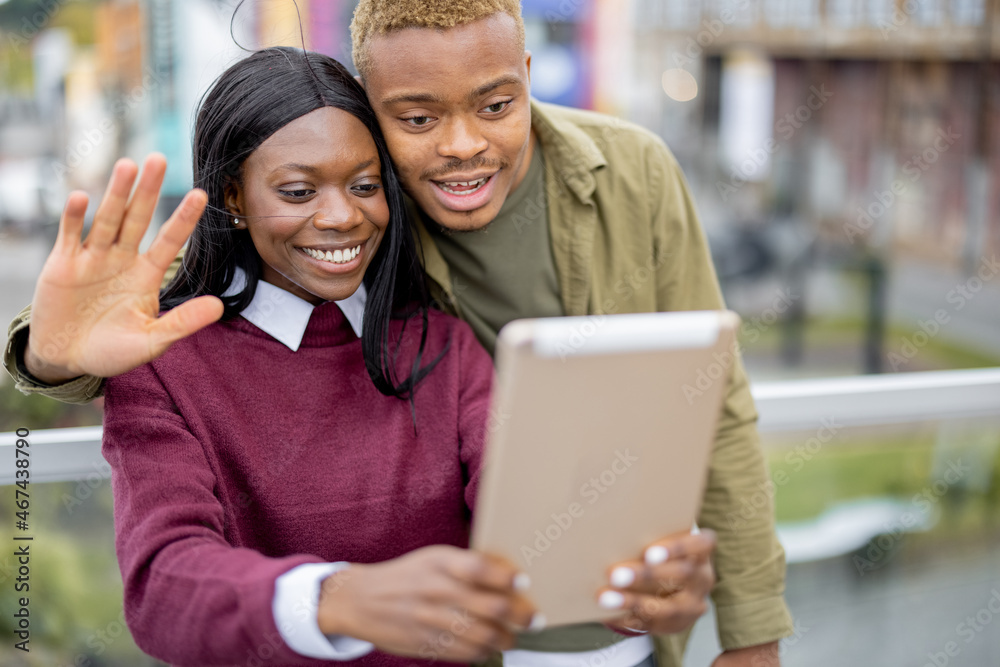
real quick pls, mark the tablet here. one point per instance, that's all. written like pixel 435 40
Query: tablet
pixel 598 444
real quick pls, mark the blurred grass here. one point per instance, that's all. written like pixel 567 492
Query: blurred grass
pixel 838 341
pixel 867 465
pixel 838 473
pixel 75 596
pixel 37 412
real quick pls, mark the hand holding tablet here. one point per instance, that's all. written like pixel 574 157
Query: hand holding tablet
pixel 664 592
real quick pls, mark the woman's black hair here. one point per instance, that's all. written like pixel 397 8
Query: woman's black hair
pixel 249 102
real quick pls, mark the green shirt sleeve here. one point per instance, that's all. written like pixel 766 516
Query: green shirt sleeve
pixel 749 561
pixel 78 390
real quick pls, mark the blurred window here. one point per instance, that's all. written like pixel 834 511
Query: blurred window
pixel 791 13
pixel 881 12
pixel 672 14
pixel 967 12
pixel 929 12
pixel 845 13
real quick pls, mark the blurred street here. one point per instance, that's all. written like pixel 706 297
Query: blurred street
pixel 20 263
pixel 897 615
pixel 916 290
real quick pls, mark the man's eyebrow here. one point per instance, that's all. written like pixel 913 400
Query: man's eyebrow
pixel 505 80
pixel 430 98
pixel 413 98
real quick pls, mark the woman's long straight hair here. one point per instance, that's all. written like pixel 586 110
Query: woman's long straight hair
pixel 248 103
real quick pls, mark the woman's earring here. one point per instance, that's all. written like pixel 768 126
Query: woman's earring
pixel 236 222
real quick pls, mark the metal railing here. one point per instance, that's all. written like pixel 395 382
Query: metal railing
pixel 69 454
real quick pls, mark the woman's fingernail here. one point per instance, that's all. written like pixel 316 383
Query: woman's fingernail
pixel 537 622
pixel 611 600
pixel 656 554
pixel 622 577
pixel 636 630
pixel 522 582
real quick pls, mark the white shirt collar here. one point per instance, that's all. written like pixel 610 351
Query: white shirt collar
pixel 284 316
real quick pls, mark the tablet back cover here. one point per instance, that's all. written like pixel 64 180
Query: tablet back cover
pixel 595 452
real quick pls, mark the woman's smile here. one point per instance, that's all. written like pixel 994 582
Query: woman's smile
pixel 337 259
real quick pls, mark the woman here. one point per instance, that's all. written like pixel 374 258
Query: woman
pixel 239 497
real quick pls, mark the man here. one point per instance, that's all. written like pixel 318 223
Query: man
pixel 523 210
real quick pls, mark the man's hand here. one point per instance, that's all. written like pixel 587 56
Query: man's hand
pixel 436 603
pixel 665 593
pixel 765 655
pixel 96 302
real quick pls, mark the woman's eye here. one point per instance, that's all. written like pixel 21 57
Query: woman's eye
pixel 497 107
pixel 296 194
pixel 418 121
pixel 368 188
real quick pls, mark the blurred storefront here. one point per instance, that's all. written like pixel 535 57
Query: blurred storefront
pixel 885 124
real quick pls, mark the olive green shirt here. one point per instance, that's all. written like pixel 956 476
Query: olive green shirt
pixel 625 238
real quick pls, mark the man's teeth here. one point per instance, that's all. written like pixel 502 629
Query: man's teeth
pixel 337 256
pixel 476 184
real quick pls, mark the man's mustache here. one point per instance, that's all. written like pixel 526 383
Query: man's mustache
pixel 463 166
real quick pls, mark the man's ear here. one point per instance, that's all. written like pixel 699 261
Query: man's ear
pixel 527 64
pixel 361 82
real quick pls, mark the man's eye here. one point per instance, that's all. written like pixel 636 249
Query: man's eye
pixel 497 107
pixel 418 121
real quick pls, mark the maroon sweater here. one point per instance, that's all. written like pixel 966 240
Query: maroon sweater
pixel 235 459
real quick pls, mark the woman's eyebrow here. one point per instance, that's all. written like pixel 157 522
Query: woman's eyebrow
pixel 310 169
pixel 364 164
pixel 295 166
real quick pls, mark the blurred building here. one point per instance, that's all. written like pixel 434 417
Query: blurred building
pixel 877 121
pixel 874 122
pixel 562 35
pixel 153 60
pixel 319 25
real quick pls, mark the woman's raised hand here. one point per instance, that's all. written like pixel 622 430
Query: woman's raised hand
pixel 96 304
pixel 435 603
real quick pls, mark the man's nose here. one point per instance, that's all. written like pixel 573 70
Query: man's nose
pixel 462 139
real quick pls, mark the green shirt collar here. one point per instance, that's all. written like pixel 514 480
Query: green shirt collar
pixel 571 153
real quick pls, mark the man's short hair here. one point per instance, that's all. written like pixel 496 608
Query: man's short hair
pixel 381 17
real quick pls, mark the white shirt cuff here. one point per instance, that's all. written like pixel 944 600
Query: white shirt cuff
pixel 295 606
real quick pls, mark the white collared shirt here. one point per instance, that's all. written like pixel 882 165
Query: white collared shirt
pixel 284 316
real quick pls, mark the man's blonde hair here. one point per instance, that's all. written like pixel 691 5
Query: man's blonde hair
pixel 381 17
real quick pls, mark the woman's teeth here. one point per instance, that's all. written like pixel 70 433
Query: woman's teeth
pixel 463 187
pixel 337 256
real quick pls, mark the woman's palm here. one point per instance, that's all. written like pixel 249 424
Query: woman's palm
pixel 96 304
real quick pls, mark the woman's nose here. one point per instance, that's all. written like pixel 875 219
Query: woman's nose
pixel 337 212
